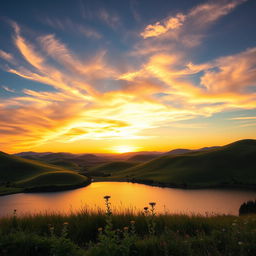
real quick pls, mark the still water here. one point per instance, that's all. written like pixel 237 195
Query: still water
pixel 129 195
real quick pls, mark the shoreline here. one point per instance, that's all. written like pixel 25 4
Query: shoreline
pixel 42 189
pixel 182 186
pixel 57 188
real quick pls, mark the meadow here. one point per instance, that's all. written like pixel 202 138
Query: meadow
pixel 88 233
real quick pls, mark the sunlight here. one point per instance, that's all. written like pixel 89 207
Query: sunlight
pixel 124 149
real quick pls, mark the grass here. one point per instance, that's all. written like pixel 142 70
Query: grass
pixel 66 164
pixel 230 165
pixel 110 168
pixel 18 174
pixel 127 233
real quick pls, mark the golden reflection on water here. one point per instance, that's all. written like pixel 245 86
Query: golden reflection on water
pixel 129 195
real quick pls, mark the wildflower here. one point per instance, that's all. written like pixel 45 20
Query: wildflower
pixel 152 204
pixel 145 209
pixel 65 223
pixel 132 222
pixel 107 197
pixel 100 229
pixel 126 228
pixel 240 243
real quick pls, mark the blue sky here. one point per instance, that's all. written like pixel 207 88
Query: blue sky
pixel 146 75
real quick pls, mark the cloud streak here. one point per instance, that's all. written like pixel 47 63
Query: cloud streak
pixel 158 29
pixel 188 28
pixel 8 89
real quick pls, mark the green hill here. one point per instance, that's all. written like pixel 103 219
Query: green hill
pixel 17 174
pixel 110 168
pixel 230 165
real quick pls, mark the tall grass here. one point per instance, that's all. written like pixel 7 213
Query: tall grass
pixel 126 233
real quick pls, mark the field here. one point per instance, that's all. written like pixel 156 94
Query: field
pixel 122 234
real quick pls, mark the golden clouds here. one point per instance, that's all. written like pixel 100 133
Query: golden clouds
pixel 187 28
pixel 89 99
pixel 234 73
pixel 224 82
pixel 159 29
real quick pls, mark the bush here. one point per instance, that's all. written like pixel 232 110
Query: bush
pixel 248 208
pixel 29 244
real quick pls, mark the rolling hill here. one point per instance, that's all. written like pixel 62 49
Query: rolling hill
pixel 142 158
pixel 110 168
pixel 17 173
pixel 230 165
pixel 76 162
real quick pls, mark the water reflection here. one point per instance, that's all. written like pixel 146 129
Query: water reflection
pixel 128 195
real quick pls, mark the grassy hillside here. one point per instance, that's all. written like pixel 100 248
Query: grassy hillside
pixel 66 164
pixel 233 164
pixel 17 173
pixel 110 168
pixel 76 162
pixel 142 158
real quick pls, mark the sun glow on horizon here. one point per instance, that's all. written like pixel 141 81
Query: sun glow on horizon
pixel 124 149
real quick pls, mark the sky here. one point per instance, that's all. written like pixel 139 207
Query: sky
pixel 136 75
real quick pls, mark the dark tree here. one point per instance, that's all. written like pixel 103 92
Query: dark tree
pixel 248 208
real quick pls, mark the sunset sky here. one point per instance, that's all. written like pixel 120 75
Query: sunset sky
pixel 115 76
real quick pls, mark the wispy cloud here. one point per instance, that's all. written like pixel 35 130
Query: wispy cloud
pixel 247 125
pixel 109 18
pixel 134 10
pixel 158 29
pixel 70 26
pixel 234 73
pixel 243 118
pixel 224 81
pixel 8 89
pixel 6 56
pixel 188 28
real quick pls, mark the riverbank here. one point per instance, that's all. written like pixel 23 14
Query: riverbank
pixel 127 233
pixel 173 185
pixel 53 188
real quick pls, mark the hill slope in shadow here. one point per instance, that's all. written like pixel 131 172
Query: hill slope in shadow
pixel 19 173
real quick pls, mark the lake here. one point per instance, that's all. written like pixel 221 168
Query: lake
pixel 129 195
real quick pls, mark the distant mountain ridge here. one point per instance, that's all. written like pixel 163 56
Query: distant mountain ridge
pixel 87 160
pixel 184 151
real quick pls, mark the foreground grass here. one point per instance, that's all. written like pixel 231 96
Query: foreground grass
pixel 126 233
